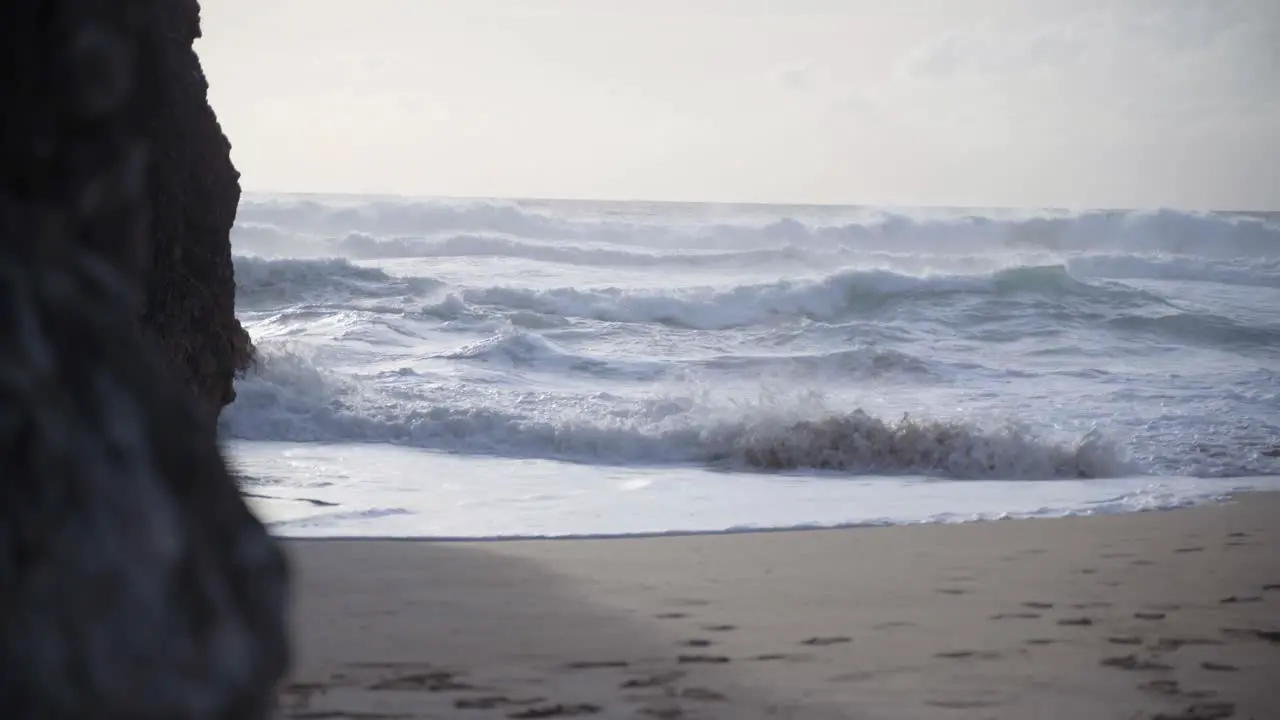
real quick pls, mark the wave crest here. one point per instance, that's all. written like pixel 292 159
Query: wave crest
pixel 825 299
pixel 289 399
pixel 860 443
pixel 262 283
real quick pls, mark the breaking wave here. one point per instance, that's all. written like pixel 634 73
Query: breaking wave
pixel 288 398
pixel 262 283
pixel 574 332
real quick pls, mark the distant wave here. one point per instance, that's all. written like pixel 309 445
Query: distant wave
pixel 367 247
pixel 288 398
pixel 852 362
pixel 303 289
pixel 274 283
pixel 399 218
pixel 525 350
pixel 1251 271
pixel 421 228
pixel 1248 272
pixel 823 299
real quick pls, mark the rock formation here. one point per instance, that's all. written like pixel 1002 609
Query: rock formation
pixel 194 190
pixel 134 582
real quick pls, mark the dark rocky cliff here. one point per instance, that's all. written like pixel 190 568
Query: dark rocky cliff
pixel 194 190
pixel 134 582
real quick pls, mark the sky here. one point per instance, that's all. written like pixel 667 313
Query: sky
pixel 988 103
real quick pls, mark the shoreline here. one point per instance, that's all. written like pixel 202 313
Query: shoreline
pixel 1112 616
pixel 1225 497
pixel 657 535
pixel 583 507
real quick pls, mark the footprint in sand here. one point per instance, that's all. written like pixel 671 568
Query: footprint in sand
pixel 557 710
pixel 961 704
pixel 597 664
pixel 892 624
pixel 490 702
pixel 702 659
pixel 1271 636
pixel 438 681
pixel 1124 640
pixel 1235 599
pixel 1172 688
pixel 1170 644
pixel 1133 662
pixel 346 715
pixel 772 657
pixel 964 654
pixel 1200 711
pixel 824 641
pixel 390 665
pixel 307 687
pixel 653 681
pixel 702 694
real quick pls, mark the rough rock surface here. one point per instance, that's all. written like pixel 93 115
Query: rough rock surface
pixel 194 190
pixel 134 581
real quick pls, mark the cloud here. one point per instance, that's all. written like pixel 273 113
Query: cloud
pixel 1130 68
pixel 795 76
pixel 1134 42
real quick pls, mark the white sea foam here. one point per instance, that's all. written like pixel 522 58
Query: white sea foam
pixel 749 344
pixel 289 399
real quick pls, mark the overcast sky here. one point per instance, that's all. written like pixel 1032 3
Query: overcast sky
pixel 1067 103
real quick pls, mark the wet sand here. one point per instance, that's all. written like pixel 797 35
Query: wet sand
pixel 1172 615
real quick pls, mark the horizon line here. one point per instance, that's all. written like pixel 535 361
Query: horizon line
pixel 754 203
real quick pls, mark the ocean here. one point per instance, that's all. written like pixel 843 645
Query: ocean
pixel 510 368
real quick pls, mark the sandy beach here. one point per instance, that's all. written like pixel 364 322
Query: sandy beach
pixel 1172 615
